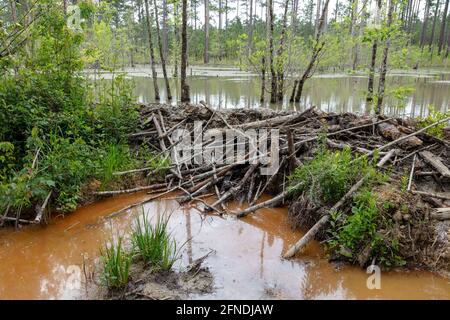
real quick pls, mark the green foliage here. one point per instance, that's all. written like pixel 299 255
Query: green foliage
pixel 400 94
pixel 433 117
pixel 6 159
pixel 153 243
pixel 114 158
pixel 327 177
pixel 48 106
pixel 115 265
pixel 350 236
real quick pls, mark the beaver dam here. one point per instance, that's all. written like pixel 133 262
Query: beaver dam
pixel 320 193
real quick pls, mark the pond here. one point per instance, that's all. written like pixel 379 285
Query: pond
pixel 227 87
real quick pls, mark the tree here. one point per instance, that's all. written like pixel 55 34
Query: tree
pixel 206 50
pixel 273 89
pixel 280 54
pixel 442 32
pixel 383 71
pixel 152 54
pixel 161 53
pixel 433 29
pixel 425 23
pixel 318 46
pixel 185 96
pixel 373 60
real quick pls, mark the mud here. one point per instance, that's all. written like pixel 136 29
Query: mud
pixel 38 262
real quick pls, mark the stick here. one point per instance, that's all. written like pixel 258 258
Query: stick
pixel 115 192
pixel 441 214
pixel 342 131
pixel 238 187
pixel 267 203
pixel 411 175
pixel 42 209
pixel 436 163
pixel 319 224
pixel 443 196
pixel 386 157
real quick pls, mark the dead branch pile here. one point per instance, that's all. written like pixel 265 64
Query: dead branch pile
pixel 399 145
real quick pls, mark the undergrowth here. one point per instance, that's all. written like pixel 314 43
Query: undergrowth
pixel 329 175
pixel 153 243
pixel 115 265
pixel 433 117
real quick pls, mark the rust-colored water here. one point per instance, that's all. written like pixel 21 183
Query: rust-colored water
pixel 43 262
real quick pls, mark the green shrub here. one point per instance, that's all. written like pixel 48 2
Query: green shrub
pixel 153 243
pixel 327 177
pixel 433 117
pixel 115 265
pixel 361 229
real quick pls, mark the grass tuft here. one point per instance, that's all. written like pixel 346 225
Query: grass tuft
pixel 153 242
pixel 116 265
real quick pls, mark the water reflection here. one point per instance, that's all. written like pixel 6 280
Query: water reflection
pixel 35 263
pixel 333 93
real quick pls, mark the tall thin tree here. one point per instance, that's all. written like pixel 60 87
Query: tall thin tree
pixel 206 49
pixel 373 60
pixel 383 71
pixel 185 96
pixel 443 24
pixel 152 54
pixel 318 46
pixel 161 53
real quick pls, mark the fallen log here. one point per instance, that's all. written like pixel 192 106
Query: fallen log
pixel 440 214
pixel 309 236
pixel 443 196
pixel 267 203
pixel 391 132
pixel 390 144
pixel 436 163
pixel 116 192
pixel 387 157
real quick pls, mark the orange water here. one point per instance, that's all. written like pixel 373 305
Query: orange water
pixel 47 262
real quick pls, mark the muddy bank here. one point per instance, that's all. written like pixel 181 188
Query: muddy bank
pixel 167 285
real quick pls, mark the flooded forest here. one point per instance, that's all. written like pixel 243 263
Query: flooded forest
pixel 224 149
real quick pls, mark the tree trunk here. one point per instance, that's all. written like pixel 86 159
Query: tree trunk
pixel 152 54
pixel 385 58
pixel 354 32
pixel 161 53
pixel 184 86
pixel 12 4
pixel 176 40
pixel 270 27
pixel 433 29
pixel 250 30
pixel 317 48
pixel 442 33
pixel 165 36
pixel 206 52
pixel 373 61
pixel 263 79
pixel 425 24
pixel 280 58
pixel 316 24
